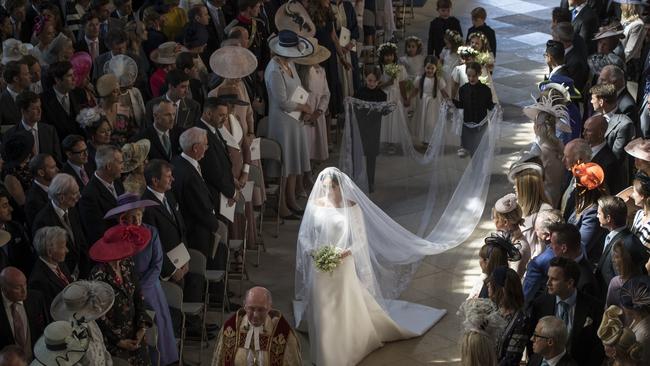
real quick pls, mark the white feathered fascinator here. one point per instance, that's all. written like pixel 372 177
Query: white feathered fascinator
pixel 481 316
pixel 87 117
pixel 547 104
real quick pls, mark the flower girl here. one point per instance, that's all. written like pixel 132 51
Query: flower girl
pixel 430 90
pixel 393 83
pixel 413 60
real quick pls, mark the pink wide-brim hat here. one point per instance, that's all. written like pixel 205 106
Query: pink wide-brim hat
pixel 82 63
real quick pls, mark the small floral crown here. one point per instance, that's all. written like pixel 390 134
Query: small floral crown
pixel 454 35
pixel 480 36
pixel 87 117
pixel 386 47
pixel 418 42
pixel 467 51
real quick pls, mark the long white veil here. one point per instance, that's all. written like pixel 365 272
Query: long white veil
pixel 385 254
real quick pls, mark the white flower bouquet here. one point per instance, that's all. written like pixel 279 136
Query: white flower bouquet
pixel 392 70
pixel 327 258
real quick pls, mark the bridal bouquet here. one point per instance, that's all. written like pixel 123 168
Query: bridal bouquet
pixel 392 70
pixel 327 258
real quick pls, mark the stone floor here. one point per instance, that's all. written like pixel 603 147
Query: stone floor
pixel 522 29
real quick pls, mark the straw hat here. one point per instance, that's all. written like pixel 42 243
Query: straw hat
pixel 120 242
pixel 127 202
pixel 106 84
pixel 639 148
pixel 289 44
pixel 588 175
pixel 61 344
pixel 87 300
pixel 293 16
pixel 82 64
pixel 166 53
pixel 233 62
pixel 14 50
pixel 124 68
pixel 5 237
pixel 320 55
pixel 135 153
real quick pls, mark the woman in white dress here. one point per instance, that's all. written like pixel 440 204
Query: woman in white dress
pixel 350 311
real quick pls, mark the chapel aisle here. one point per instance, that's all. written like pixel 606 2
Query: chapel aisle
pixel 522 29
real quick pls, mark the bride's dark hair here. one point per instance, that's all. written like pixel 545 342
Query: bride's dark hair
pixel 332 176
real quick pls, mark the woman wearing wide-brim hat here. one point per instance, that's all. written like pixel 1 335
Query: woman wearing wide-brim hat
pixel 165 59
pixel 282 80
pixel 125 324
pixel 62 344
pixel 148 265
pixel 82 302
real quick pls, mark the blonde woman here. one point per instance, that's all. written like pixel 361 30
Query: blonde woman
pixel 634 32
pixel 482 325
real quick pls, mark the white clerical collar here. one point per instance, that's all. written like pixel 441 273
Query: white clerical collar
pixel 159 196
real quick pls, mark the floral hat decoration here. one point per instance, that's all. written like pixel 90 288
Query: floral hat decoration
pixel 14 50
pixel 588 175
pixel 88 117
pixel 416 40
pixel 466 52
pixel 386 48
pixel 546 105
pixel 613 333
pixel 635 293
pixel 454 36
pixel 481 316
pixel 503 240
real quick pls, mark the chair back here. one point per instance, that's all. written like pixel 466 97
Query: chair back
pixel 263 127
pixel 255 175
pixel 270 150
pixel 198 262
pixel 173 293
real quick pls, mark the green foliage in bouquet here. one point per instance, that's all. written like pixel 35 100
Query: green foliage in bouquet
pixel 326 258
pixel 392 70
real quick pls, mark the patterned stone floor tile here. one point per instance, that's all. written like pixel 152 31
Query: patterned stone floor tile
pixel 533 39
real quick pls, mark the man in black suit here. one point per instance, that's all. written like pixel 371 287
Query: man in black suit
pixel 21 309
pixel 612 215
pixel 549 342
pixel 195 201
pixel 163 145
pixel 61 211
pixel 575 58
pixel 59 109
pixel 216 163
pixel 123 11
pixel 18 79
pixel 50 274
pixel 43 168
pixel 17 10
pixel 188 111
pixel 585 22
pixel 101 192
pixel 565 242
pixel 46 139
pixel 594 133
pixel 580 312
pixel 612 74
pixel 185 61
pixel 216 25
pixel 76 152
pixel 200 22
pixel 91 42
pixel 18 251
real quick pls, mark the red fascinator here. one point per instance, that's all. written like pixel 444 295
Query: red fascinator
pixel 119 242
pixel 588 175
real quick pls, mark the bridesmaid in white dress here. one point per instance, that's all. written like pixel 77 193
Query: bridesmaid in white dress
pixel 394 85
pixel 430 89
pixel 350 312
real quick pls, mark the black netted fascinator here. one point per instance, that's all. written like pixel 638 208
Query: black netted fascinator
pixel 503 240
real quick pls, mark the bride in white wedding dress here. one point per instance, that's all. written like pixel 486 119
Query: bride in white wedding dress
pixel 351 311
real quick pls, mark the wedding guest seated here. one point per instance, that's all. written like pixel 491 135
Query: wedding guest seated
pixel 76 152
pixel 588 189
pixel 612 215
pixel 61 211
pixel 580 313
pixel 12 356
pixel 50 274
pixel 260 326
pixel 635 301
pixel 43 168
pixel 23 312
pixel 565 242
pixel 497 251
pixel 549 343
pixel 504 287
pixel 619 341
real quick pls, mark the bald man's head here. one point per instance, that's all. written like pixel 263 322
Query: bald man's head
pixel 257 304
pixel 576 151
pixel 12 356
pixel 594 130
pixel 13 284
